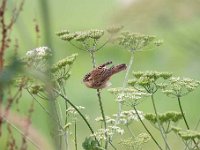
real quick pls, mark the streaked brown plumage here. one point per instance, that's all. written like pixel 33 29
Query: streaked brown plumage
pixel 99 76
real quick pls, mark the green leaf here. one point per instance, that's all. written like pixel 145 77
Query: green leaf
pixel 91 144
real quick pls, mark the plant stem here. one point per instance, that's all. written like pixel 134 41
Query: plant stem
pixel 159 124
pixel 66 113
pixel 50 115
pixel 75 135
pixel 100 102
pixel 147 128
pixel 93 59
pixel 61 119
pixel 181 109
pixel 82 116
pixel 66 106
pixel 112 145
pixel 184 118
pixel 126 78
pixel 103 116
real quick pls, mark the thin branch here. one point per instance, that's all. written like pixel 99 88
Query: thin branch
pixel 82 116
pixel 184 118
pixel 181 109
pixel 77 46
pixel 125 80
pixel 146 128
pixel 48 113
pixel 159 124
pixel 75 130
pixel 103 116
pixel 104 44
pixel 100 103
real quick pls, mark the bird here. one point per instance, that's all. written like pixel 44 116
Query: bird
pixel 98 78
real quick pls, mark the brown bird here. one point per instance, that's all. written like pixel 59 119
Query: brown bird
pixel 99 76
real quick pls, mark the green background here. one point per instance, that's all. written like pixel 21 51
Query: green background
pixel 176 22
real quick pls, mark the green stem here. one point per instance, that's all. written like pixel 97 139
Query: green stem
pixel 66 105
pixel 93 59
pixel 66 113
pixel 75 135
pixel 61 119
pixel 184 118
pixel 147 128
pixel 126 78
pixel 100 102
pixel 103 116
pixel 112 145
pixel 181 109
pixel 50 115
pixel 82 116
pixel 159 124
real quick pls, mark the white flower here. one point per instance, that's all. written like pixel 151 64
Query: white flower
pixel 39 52
pixel 30 53
pixel 42 51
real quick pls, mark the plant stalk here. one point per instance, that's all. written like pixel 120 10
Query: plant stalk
pixel 159 124
pixel 181 109
pixel 100 101
pixel 147 128
pixel 103 116
pixel 184 118
pixel 75 130
pixel 126 78
pixel 82 116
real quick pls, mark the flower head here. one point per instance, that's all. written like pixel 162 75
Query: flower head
pixel 178 87
pixel 149 80
pixel 39 53
pixel 126 117
pixel 61 69
pixel 128 95
pixel 136 41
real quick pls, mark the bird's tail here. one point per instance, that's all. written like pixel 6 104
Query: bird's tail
pixel 118 68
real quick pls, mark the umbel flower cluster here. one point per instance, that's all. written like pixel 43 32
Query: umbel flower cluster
pixel 38 59
pixel 136 41
pixel 136 142
pixel 149 79
pixel 110 131
pixel 167 117
pixel 128 95
pixel 124 118
pixel 61 69
pixel 80 35
pixel 187 135
pixel 178 87
pixel 39 53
